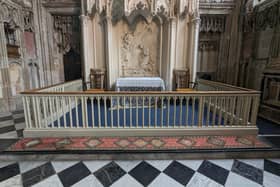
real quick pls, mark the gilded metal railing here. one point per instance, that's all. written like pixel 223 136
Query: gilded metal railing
pixel 77 113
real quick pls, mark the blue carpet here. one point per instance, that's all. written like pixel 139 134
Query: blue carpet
pixel 123 118
pixel 267 127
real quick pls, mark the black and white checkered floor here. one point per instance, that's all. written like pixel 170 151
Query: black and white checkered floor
pixel 158 173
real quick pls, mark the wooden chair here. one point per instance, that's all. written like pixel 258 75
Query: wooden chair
pixel 97 79
pixel 182 79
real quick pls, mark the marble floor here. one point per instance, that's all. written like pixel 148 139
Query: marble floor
pixel 137 173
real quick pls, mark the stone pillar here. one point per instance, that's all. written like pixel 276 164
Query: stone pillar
pixel 84 58
pixel 193 51
pixel 196 23
pixel 3 48
pixel 4 72
pixel 108 51
pixel 171 56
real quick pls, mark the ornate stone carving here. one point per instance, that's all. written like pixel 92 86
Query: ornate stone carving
pixel 139 51
pixel 268 17
pixel 129 9
pixel 131 5
pixel 9 13
pixel 163 7
pixel 212 23
pixel 208 45
pixel 117 10
pixel 67 28
pixel 28 21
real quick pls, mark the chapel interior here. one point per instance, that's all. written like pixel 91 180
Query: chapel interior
pixel 108 43
pixel 153 93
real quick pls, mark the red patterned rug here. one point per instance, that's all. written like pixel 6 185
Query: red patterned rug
pixel 137 143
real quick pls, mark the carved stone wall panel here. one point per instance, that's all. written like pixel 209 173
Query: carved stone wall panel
pixel 131 5
pixel 212 23
pixel 1 86
pixel 263 42
pixel 139 50
pixel 98 37
pixel 15 72
pixel 167 25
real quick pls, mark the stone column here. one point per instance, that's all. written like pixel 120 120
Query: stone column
pixel 108 51
pixel 84 51
pixel 3 49
pixel 171 56
pixel 4 72
pixel 196 23
pixel 193 44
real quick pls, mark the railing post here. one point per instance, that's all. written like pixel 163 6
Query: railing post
pixel 26 109
pixel 84 112
pixel 200 111
pixel 33 111
pixel 255 108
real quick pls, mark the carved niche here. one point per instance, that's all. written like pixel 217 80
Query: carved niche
pixel 212 23
pixel 267 16
pixel 67 33
pixel 15 71
pixel 139 50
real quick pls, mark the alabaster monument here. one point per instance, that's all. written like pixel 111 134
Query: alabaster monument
pixel 140 38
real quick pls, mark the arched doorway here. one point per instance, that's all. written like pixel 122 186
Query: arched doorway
pixel 72 66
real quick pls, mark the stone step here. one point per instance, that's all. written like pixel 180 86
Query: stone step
pixel 7 126
pixel 19 120
pixel 9 135
pixel 18 112
pixel 7 129
pixel 20 126
pixel 6 117
pixel 4 114
pixel 7 123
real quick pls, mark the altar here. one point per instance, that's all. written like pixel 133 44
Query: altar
pixel 140 84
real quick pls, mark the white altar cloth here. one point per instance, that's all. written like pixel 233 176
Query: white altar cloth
pixel 124 84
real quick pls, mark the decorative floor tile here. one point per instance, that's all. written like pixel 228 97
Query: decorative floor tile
pixel 38 174
pixel 272 167
pixel 258 163
pixel 3 163
pixel 96 164
pixel 138 143
pixel 199 180
pixel 52 181
pixel 193 164
pixel 9 171
pixel 127 165
pixel 109 174
pixel 144 173
pixel 73 174
pixel 89 181
pixel 224 163
pixel 12 182
pixel 248 171
pixel 179 172
pixel 270 180
pixel 127 181
pixel 136 173
pixel 214 172
pixel 275 160
pixel 160 164
pixel 29 165
pixel 165 181
pixel 62 165
pixel 235 180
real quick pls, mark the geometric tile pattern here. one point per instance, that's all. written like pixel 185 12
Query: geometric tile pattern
pixel 144 173
pixel 213 172
pixel 151 173
pixel 138 143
